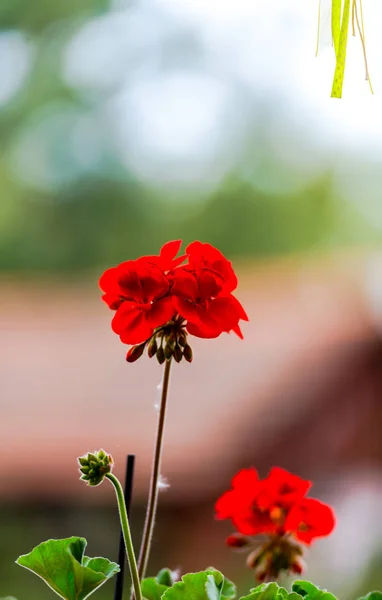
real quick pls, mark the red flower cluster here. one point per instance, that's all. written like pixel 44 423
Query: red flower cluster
pixel 196 289
pixel 276 505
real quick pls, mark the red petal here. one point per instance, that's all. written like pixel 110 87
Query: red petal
pixel 206 255
pixel 108 281
pixel 112 301
pixel 160 312
pixel 154 283
pixel 170 249
pixel 125 313
pixel 225 505
pixel 137 330
pixel 238 332
pixel 310 518
pixel 245 478
pixel 185 284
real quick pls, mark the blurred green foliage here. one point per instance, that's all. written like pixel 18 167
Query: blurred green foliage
pixel 105 215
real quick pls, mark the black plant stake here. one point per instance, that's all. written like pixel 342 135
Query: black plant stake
pixel 129 476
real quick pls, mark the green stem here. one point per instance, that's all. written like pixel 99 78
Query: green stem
pixel 126 535
pixel 155 473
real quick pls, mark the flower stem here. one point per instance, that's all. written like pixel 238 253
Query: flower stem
pixel 126 535
pixel 155 473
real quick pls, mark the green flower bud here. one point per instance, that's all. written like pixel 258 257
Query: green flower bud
pixel 182 339
pixel 94 466
pixel 160 355
pixel 178 354
pixel 187 353
pixel 152 348
pixel 135 352
pixel 168 351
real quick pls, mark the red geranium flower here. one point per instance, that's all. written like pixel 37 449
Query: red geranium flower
pixel 160 296
pixel 275 506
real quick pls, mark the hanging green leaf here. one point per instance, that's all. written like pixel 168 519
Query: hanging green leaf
pixel 311 592
pixel 66 570
pixel 341 52
pixel 336 23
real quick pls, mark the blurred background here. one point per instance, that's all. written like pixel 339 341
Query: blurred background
pixel 128 123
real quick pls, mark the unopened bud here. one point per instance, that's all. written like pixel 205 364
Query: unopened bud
pixel 297 568
pixel 255 558
pixel 187 353
pixel 178 354
pixel 152 348
pixel 171 341
pixel 135 352
pixel 168 351
pixel 160 355
pixel 182 339
pixel 237 540
pixel 94 467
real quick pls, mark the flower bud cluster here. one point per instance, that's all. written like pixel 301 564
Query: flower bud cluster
pixel 278 555
pixel 166 343
pixel 94 466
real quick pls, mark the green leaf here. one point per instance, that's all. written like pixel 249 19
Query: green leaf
pixel 271 591
pixel 65 569
pixel 372 596
pixel 205 585
pixel 227 587
pixel 309 591
pixel 8 598
pixel 165 577
pixel 151 589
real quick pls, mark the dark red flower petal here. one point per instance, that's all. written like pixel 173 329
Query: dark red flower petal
pixel 239 505
pixel 160 312
pixel 130 323
pixel 245 478
pixel 309 519
pixel 166 260
pixel 218 315
pixel 281 488
pixel 206 256
pixel 185 285
pixel 112 301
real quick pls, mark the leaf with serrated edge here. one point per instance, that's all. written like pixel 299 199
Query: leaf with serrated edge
pixel 271 591
pixel 65 569
pixel 151 589
pixel 227 587
pixel 195 586
pixel 309 591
